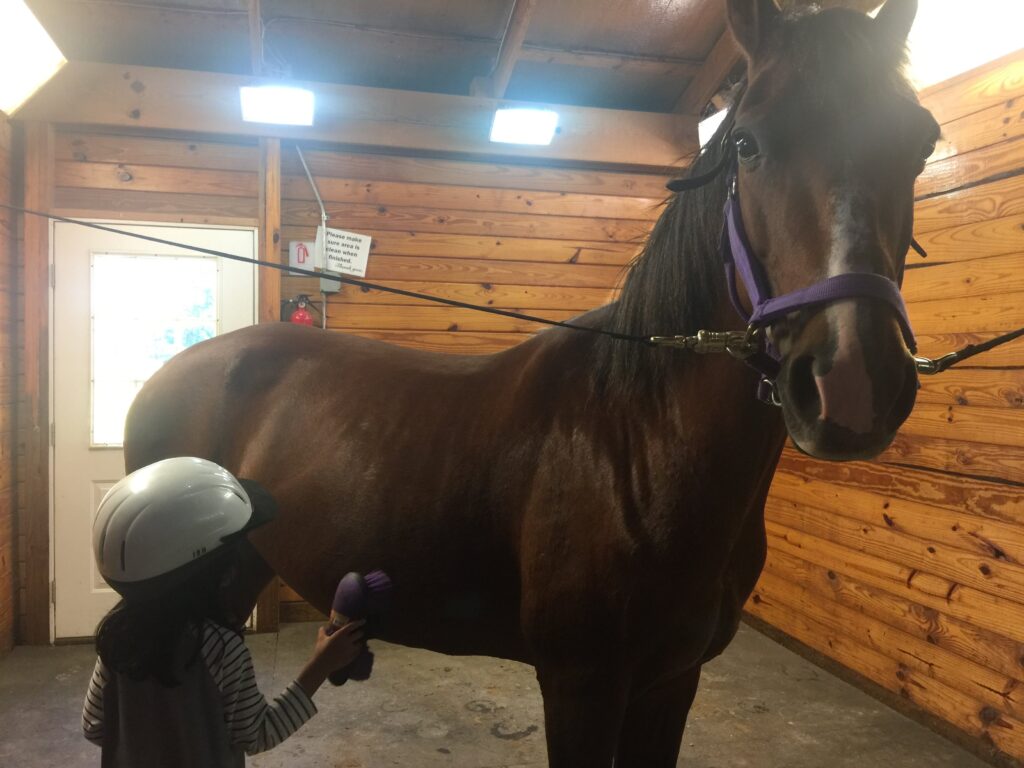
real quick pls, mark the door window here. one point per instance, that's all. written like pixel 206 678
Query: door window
pixel 145 309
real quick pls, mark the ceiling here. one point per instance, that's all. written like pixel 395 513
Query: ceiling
pixel 624 54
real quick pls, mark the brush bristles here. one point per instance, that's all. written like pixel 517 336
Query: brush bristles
pixel 378 585
pixel 377 581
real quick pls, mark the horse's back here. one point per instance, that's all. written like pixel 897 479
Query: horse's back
pixel 194 403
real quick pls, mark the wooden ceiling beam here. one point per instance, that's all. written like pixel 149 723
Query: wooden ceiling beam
pixel 116 96
pixel 425 43
pixel 255 36
pixel 620 62
pixel 719 63
pixel 511 45
pixel 509 49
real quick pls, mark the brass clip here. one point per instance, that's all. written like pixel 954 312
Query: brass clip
pixel 739 344
pixel 928 366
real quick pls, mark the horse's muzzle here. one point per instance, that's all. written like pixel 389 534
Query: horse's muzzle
pixel 846 398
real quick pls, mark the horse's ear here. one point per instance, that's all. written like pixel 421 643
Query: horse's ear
pixel 896 18
pixel 751 22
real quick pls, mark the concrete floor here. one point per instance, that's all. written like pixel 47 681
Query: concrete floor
pixel 759 706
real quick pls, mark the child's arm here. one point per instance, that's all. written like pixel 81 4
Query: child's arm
pixel 253 722
pixel 92 710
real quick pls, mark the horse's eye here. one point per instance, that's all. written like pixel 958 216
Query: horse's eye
pixel 746 146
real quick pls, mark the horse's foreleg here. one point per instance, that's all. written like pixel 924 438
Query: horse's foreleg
pixel 653 726
pixel 583 711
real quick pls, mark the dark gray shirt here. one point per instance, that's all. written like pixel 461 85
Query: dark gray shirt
pixel 215 717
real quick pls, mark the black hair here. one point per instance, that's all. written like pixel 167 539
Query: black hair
pixel 157 634
pixel 676 282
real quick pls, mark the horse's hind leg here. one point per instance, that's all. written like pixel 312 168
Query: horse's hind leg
pixel 583 710
pixel 653 726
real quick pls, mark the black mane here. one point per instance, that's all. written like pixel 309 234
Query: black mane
pixel 676 283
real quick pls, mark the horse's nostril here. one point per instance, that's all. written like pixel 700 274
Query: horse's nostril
pixel 803 389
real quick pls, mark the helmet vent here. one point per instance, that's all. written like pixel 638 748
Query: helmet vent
pixel 122 555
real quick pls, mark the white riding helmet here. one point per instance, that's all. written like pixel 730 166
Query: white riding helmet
pixel 164 516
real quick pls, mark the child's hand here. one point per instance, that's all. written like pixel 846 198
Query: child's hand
pixel 340 649
pixel 330 653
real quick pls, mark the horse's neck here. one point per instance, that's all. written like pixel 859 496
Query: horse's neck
pixel 719 393
pixel 707 410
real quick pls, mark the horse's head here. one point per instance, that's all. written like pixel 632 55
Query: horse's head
pixel 829 139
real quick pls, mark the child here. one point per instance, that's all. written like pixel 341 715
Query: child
pixel 174 682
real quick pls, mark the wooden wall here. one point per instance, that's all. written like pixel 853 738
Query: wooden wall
pixel 537 240
pixel 909 570
pixel 551 241
pixel 7 391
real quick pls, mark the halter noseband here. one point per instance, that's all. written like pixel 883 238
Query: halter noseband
pixel 739 261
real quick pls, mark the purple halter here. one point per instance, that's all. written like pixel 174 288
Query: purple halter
pixel 738 258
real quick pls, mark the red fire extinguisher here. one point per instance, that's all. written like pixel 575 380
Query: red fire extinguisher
pixel 301 315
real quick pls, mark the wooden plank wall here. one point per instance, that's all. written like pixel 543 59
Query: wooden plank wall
pixel 550 241
pixel 7 391
pixel 545 241
pixel 909 570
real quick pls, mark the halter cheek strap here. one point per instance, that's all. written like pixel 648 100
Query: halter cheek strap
pixel 738 258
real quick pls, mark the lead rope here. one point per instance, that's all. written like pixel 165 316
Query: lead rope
pixel 648 340
pixel 745 345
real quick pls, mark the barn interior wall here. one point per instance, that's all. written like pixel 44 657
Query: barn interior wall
pixel 7 390
pixel 544 240
pixel 909 570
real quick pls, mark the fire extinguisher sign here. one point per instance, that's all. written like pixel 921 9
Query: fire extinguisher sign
pixel 300 255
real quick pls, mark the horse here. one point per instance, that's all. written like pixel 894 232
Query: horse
pixel 583 503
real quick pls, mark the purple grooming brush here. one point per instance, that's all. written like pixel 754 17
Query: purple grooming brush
pixel 358 597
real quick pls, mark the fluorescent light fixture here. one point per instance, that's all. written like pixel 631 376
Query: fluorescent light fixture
pixel 279 104
pixel 28 57
pixel 951 38
pixel 524 126
pixel 706 128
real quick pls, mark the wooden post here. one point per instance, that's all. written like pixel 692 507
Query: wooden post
pixel 8 399
pixel 34 426
pixel 270 230
pixel 269 311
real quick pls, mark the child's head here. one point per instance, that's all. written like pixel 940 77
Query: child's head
pixel 167 538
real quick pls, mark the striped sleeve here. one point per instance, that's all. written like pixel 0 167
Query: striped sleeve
pixel 253 723
pixel 92 710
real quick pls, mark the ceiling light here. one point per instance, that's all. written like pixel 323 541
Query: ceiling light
pixel 28 57
pixel 279 104
pixel 524 126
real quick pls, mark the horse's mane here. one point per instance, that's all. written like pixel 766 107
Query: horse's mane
pixel 676 283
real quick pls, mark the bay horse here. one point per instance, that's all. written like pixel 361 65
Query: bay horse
pixel 587 505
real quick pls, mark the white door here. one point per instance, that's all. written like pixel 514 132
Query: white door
pixel 121 308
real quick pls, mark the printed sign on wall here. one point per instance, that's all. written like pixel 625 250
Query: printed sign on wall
pixel 345 252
